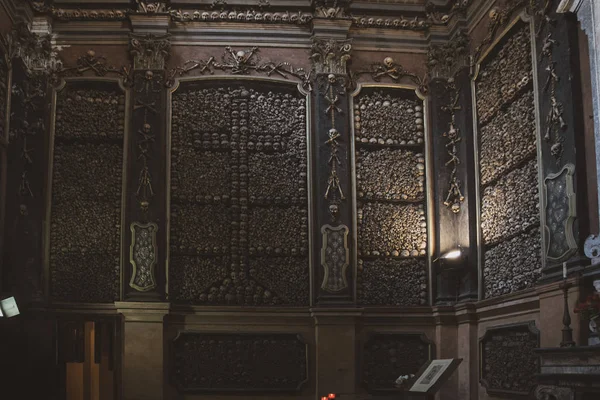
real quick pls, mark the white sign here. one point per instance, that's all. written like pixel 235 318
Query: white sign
pixel 9 307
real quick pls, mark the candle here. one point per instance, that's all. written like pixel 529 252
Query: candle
pixel 565 270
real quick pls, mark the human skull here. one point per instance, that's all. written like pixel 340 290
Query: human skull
pixel 388 62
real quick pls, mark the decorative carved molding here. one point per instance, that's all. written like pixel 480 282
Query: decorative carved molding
pixel 330 56
pixel 89 63
pixel 454 197
pixel 335 257
pixel 86 14
pixel 561 212
pixel 150 7
pixel 242 62
pixel 385 356
pixel 498 18
pixel 35 51
pixel 230 362
pixel 508 363
pixel 443 60
pixel 147 86
pixel 143 256
pixel 249 16
pixel 555 125
pixel 332 9
pixel 149 51
pixel 389 69
pixel 401 23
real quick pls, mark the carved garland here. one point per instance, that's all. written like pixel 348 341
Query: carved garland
pixel 389 69
pixel 555 124
pixel 241 63
pixel 454 197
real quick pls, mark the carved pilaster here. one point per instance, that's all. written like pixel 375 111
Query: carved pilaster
pixel 588 13
pixel 561 121
pixel 146 202
pixel 451 115
pixel 335 280
pixel 444 60
pixel 24 91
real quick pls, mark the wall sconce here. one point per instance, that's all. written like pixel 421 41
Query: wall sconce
pixel 8 308
pixel 452 260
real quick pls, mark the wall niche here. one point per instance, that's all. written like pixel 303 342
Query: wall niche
pixel 87 152
pixel 508 164
pixel 238 202
pixel 390 155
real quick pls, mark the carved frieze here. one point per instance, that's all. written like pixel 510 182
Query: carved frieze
pixel 389 70
pixel 90 64
pixel 249 16
pixel 241 62
pixel 230 362
pixel 86 192
pixel 241 174
pixel 508 362
pixel 561 212
pixel 143 256
pixel 386 356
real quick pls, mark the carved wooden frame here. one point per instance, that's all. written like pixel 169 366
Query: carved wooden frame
pixel 531 328
pixel 182 332
pixel 422 336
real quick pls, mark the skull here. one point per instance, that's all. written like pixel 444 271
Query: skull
pixel 388 62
